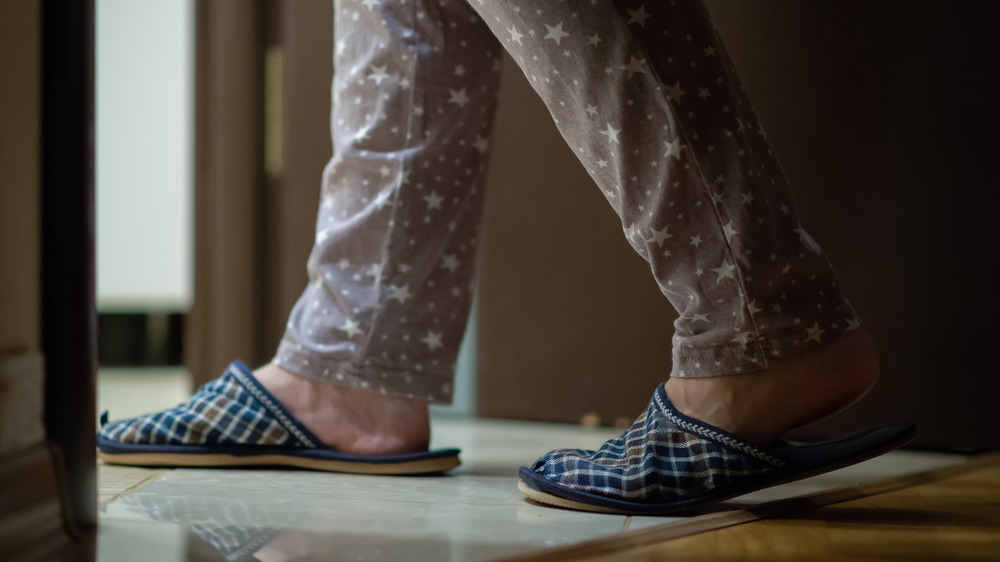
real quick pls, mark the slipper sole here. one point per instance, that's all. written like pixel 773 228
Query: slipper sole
pixel 217 460
pixel 548 499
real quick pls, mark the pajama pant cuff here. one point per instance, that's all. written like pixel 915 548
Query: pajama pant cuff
pixel 747 353
pixel 392 380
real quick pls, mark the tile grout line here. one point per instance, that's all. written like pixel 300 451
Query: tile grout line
pixel 720 520
pixel 147 480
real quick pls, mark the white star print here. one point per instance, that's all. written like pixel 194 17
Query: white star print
pixel 724 271
pixel 674 148
pixel 433 200
pixel 593 40
pixel 612 134
pixel 450 263
pixel 853 324
pixel 729 230
pixel 458 97
pixel 743 338
pixel 378 74
pixel 556 33
pixel 602 163
pixel 639 16
pixel 399 293
pixel 370 4
pixel 591 110
pixel 515 37
pixel 635 65
pixel 675 92
pixel 482 144
pixel 351 327
pixel 659 236
pixel 433 340
pixel 815 332
pixel 695 240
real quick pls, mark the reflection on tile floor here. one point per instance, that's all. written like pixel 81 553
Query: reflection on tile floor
pixel 474 513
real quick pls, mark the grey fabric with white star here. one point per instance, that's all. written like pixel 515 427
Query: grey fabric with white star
pixel 646 97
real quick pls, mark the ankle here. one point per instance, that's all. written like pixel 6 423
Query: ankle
pixel 349 419
pixel 763 405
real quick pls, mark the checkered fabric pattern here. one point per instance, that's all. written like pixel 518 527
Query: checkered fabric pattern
pixel 233 409
pixel 664 457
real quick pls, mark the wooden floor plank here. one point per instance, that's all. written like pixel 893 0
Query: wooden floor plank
pixel 950 513
pixel 954 519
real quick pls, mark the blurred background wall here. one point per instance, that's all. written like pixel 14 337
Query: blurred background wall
pixel 144 177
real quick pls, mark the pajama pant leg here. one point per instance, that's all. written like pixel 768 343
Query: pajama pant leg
pixel 646 97
pixel 644 94
pixel 390 273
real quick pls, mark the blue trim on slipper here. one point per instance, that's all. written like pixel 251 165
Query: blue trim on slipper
pixel 710 432
pixel 245 377
pixel 304 444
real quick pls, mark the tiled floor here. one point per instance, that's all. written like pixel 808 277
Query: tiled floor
pixel 474 513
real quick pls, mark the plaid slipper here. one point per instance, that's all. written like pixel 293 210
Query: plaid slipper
pixel 668 463
pixel 234 421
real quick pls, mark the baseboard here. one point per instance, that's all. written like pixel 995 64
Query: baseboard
pixel 22 382
pixel 31 515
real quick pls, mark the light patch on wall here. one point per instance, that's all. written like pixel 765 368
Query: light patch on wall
pixel 144 120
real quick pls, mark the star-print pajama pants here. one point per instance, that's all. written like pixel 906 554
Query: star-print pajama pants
pixel 644 94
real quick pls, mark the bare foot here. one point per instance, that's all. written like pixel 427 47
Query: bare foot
pixel 763 405
pixel 351 420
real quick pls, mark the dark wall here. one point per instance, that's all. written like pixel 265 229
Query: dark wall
pixel 883 114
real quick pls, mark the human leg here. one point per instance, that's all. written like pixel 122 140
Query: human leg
pixel 374 337
pixel 646 97
pixel 699 192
